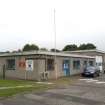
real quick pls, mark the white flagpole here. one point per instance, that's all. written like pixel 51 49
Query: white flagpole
pixel 55 43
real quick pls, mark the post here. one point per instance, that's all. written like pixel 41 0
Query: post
pixel 4 71
pixel 55 63
pixel 25 75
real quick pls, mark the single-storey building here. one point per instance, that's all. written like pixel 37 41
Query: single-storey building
pixel 98 54
pixel 38 65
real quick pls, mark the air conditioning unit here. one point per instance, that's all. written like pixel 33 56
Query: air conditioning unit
pixel 44 75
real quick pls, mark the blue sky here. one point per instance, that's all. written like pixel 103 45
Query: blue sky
pixel 31 21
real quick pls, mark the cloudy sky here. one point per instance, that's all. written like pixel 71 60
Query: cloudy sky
pixel 31 21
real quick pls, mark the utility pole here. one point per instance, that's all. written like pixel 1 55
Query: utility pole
pixel 55 63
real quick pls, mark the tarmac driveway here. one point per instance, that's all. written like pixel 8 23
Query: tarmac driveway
pixel 84 92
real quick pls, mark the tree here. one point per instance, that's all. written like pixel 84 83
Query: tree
pixel 26 47
pixel 88 46
pixel 43 49
pixel 31 47
pixel 53 50
pixel 82 47
pixel 71 47
pixel 34 47
pixel 19 50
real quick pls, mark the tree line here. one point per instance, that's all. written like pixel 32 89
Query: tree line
pixel 69 47
pixel 74 47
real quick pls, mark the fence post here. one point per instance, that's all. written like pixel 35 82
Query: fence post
pixel 4 71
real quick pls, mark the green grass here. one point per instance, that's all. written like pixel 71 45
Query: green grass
pixel 12 83
pixel 8 83
pixel 61 82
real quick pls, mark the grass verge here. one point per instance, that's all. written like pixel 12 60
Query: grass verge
pixel 59 83
pixel 13 83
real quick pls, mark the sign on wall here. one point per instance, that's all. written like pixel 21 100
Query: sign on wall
pixel 29 65
pixel 22 64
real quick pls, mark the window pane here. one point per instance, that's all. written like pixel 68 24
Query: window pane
pixel 50 64
pixel 76 64
pixel 85 62
pixel 91 63
pixel 11 64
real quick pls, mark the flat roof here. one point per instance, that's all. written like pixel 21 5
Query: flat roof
pixel 94 50
pixel 44 53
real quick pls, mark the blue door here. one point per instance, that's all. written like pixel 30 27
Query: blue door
pixel 66 67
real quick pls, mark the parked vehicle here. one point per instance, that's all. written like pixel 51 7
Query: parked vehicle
pixel 91 71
